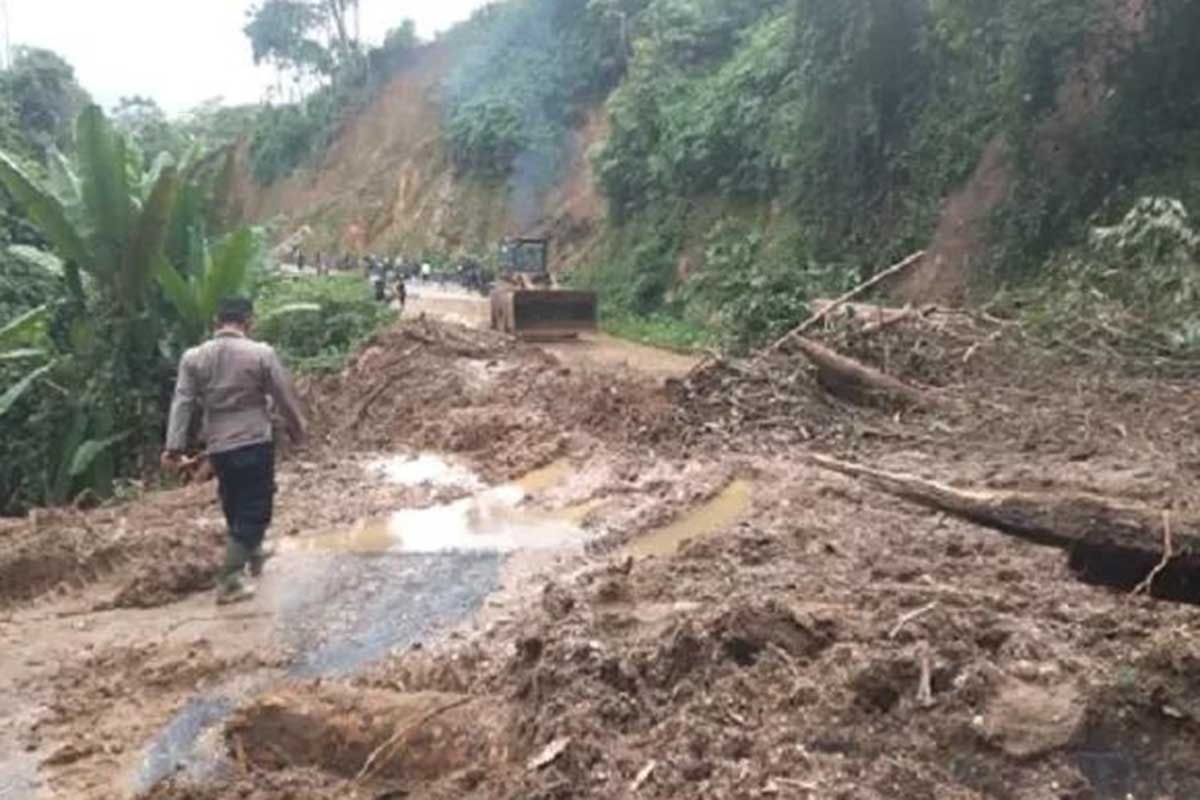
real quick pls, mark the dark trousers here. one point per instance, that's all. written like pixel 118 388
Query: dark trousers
pixel 246 484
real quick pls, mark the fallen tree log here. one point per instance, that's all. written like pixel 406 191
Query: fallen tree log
pixel 1109 544
pixel 826 308
pixel 862 312
pixel 829 308
pixel 851 380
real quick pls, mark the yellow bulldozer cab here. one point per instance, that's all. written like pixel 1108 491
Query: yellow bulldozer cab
pixel 526 301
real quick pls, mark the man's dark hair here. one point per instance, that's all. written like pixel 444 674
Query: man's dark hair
pixel 234 311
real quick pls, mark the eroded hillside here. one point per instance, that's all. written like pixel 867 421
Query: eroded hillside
pixel 388 184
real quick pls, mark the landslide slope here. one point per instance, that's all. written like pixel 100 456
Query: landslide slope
pixel 388 183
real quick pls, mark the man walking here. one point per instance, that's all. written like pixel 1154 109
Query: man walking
pixel 235 380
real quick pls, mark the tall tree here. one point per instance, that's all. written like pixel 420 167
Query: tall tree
pixel 144 122
pixel 304 37
pixel 45 96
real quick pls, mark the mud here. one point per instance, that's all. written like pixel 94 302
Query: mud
pixel 596 350
pixel 460 591
pixel 358 734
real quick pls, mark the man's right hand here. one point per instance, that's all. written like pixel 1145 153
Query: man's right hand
pixel 299 437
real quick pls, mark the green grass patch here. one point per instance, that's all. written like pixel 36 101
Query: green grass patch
pixel 660 330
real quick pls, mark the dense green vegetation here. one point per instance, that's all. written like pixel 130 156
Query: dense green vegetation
pixel 315 323
pixel 87 364
pixel 523 70
pixel 128 274
pixel 777 149
pixel 762 152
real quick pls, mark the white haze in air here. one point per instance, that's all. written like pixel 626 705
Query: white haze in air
pixel 182 52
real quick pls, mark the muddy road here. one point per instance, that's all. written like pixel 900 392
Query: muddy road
pixel 506 571
pixel 597 350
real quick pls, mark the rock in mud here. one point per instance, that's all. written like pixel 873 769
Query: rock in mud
pixel 1026 721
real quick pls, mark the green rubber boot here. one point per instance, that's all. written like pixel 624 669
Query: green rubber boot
pixel 259 559
pixel 230 588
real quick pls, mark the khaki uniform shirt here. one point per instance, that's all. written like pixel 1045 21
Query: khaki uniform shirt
pixel 232 377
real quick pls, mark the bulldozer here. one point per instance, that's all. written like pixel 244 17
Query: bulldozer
pixel 527 302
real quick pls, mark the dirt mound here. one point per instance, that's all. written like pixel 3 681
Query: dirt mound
pixel 506 406
pixel 34 561
pixel 159 542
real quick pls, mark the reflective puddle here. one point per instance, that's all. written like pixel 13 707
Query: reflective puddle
pixel 545 478
pixel 423 469
pixel 705 520
pixel 490 521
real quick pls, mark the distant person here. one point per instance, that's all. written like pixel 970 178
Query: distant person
pixel 426 272
pixel 379 283
pixel 300 261
pixel 234 380
pixel 401 290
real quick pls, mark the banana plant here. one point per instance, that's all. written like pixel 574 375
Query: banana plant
pixel 107 223
pixel 100 221
pixel 212 274
pixel 73 455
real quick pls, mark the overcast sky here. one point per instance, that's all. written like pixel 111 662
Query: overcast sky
pixel 182 52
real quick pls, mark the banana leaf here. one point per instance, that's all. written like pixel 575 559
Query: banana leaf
pixel 62 180
pixel 18 390
pixel 21 354
pixel 46 212
pixel 150 234
pixel 27 328
pixel 293 308
pixel 150 178
pixel 233 260
pixel 87 453
pixel 181 294
pixel 104 182
pixel 43 259
pixel 59 486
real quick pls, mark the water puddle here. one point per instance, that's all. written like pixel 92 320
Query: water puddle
pixel 176 745
pixel 490 521
pixel 18 776
pixel 705 520
pixel 545 478
pixel 423 469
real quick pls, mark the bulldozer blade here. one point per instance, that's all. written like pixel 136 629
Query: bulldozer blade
pixel 544 314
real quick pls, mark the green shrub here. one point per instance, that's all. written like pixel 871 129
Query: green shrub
pixel 755 288
pixel 1133 288
pixel 315 323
